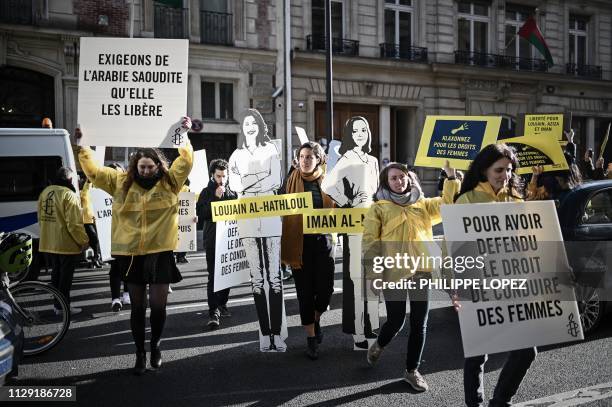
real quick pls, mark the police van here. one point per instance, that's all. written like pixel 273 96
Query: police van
pixel 29 159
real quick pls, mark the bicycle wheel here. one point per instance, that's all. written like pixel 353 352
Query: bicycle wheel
pixel 48 315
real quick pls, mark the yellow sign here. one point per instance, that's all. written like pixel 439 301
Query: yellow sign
pixel 544 125
pixel 531 151
pixel 338 220
pixel 457 139
pixel 262 206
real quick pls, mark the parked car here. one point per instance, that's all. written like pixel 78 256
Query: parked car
pixel 585 216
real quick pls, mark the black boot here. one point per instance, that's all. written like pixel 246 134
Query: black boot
pixel 318 333
pixel 312 348
pixel 141 363
pixel 156 359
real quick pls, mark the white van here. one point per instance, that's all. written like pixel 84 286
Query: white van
pixel 29 159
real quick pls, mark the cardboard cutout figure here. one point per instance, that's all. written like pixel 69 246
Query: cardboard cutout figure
pixel 352 183
pixel 255 170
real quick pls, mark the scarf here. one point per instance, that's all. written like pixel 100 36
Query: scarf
pixel 405 199
pixel 292 241
pixel 147 182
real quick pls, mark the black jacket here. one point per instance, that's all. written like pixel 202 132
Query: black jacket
pixel 204 212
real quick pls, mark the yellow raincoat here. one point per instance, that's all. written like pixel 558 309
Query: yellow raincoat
pixel 88 214
pixel 390 229
pixel 144 221
pixel 484 193
pixel 61 221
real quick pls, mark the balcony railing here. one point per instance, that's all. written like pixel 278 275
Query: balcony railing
pixel 500 61
pixel 340 46
pixel 216 28
pixel 16 12
pixel 169 22
pixel 415 54
pixel 586 71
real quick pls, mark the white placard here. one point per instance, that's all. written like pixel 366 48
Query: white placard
pixel 198 177
pixel 516 241
pixel 301 133
pixel 102 204
pixel 132 91
pixel 231 263
pixel 187 238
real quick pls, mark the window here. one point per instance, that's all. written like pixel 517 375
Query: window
pixel 599 208
pixel 578 39
pixel 318 19
pixel 398 23
pixel 217 100
pixel 473 26
pixel 515 45
pixel 24 178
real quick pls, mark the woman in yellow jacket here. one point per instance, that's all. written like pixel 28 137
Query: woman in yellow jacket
pixel 144 232
pixel 492 178
pixel 400 222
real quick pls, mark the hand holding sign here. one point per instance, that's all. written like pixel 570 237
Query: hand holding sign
pixel 450 172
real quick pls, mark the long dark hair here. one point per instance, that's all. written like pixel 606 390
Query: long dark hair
pixel 158 158
pixel 383 177
pixel 262 135
pixel 347 136
pixel 486 158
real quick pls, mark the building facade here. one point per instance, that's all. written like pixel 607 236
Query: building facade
pixel 395 62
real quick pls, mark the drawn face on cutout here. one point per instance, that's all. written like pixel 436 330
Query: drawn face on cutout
pixel 499 173
pixel 250 128
pixel 147 167
pixel 360 133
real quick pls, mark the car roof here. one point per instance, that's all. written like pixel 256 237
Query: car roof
pixel 32 132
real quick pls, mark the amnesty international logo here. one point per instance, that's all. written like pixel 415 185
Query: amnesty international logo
pixel 572 326
pixel 47 205
pixel 177 138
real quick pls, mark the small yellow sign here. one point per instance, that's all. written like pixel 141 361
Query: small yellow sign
pixel 337 220
pixel 262 206
pixel 531 151
pixel 544 125
pixel 457 139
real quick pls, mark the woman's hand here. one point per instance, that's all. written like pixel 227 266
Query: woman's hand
pixel 569 135
pixel 78 136
pixel 537 170
pixel 450 172
pixel 599 163
pixel 186 123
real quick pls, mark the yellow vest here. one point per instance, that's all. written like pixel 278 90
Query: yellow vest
pixel 88 214
pixel 144 221
pixel 61 221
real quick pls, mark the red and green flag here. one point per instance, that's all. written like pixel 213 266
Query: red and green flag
pixel 530 32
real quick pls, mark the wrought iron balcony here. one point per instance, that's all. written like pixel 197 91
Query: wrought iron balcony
pixel 340 46
pixel 500 61
pixel 16 12
pixel 169 22
pixel 216 28
pixel 587 71
pixel 415 54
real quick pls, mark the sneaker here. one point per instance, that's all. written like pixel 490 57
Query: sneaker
pixel 374 353
pixel 225 313
pixel 169 289
pixel 415 380
pixel 126 299
pixel 116 305
pixel 363 345
pixel 287 275
pixel 213 321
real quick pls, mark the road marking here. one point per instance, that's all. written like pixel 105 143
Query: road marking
pixel 576 397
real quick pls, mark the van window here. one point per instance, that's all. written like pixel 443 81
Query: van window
pixel 24 178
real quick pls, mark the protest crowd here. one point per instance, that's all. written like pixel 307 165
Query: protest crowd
pixel 145 198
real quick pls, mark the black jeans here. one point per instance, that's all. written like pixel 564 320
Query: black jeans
pixel 510 378
pixel 114 277
pixel 63 266
pixel 396 315
pixel 94 243
pixel 215 299
pixel 314 282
